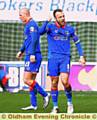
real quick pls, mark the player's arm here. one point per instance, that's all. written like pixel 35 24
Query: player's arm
pixel 43 28
pixel 20 53
pixel 79 48
pixel 34 39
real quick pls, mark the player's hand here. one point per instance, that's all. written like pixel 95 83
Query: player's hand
pixel 82 60
pixel 49 18
pixel 32 58
pixel 19 55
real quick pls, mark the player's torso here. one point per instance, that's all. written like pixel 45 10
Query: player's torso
pixel 59 39
pixel 62 34
pixel 27 36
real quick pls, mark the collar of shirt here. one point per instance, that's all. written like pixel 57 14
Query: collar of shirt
pixel 28 20
pixel 56 23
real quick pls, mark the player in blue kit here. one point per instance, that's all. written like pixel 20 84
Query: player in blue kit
pixel 59 35
pixel 33 58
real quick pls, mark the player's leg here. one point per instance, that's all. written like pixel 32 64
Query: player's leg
pixel 35 69
pixel 29 79
pixel 37 88
pixel 54 93
pixel 64 74
pixel 53 73
pixel 68 91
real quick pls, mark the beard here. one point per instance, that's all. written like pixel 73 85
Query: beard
pixel 61 22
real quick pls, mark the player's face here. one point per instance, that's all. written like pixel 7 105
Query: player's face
pixel 22 17
pixel 60 18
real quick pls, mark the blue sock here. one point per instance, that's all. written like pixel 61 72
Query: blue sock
pixel 33 98
pixel 54 94
pixel 68 93
pixel 40 90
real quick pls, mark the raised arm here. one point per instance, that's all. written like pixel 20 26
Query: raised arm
pixel 43 29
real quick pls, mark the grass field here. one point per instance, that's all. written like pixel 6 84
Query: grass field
pixel 84 102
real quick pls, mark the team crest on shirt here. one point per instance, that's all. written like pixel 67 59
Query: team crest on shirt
pixel 32 29
pixel 67 33
pixel 56 31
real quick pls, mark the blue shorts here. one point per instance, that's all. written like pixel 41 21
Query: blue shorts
pixel 58 65
pixel 33 66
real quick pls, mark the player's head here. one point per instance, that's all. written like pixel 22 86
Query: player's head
pixel 24 15
pixel 59 16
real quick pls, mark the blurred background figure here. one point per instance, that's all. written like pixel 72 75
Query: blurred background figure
pixel 4 77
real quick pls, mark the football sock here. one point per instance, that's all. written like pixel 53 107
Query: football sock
pixel 33 98
pixel 68 93
pixel 38 88
pixel 54 94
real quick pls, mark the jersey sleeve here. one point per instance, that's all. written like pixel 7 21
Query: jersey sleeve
pixel 76 41
pixel 73 35
pixel 22 49
pixel 34 34
pixel 48 28
pixel 42 29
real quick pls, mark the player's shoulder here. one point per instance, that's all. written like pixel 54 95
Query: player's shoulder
pixel 70 27
pixel 32 25
pixel 51 24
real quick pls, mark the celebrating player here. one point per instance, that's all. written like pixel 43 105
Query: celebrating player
pixel 33 58
pixel 58 36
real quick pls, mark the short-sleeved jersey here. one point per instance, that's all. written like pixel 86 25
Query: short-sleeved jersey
pixel 59 39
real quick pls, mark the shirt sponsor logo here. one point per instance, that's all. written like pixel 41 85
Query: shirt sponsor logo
pixel 63 38
pixel 67 33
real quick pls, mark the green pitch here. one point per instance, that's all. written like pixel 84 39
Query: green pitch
pixel 84 102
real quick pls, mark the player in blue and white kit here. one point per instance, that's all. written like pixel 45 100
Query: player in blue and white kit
pixel 59 35
pixel 33 58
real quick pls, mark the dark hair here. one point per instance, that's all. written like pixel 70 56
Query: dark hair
pixel 57 10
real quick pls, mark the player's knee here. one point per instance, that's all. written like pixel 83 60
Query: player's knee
pixel 27 82
pixel 54 83
pixel 65 84
pixel 64 79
